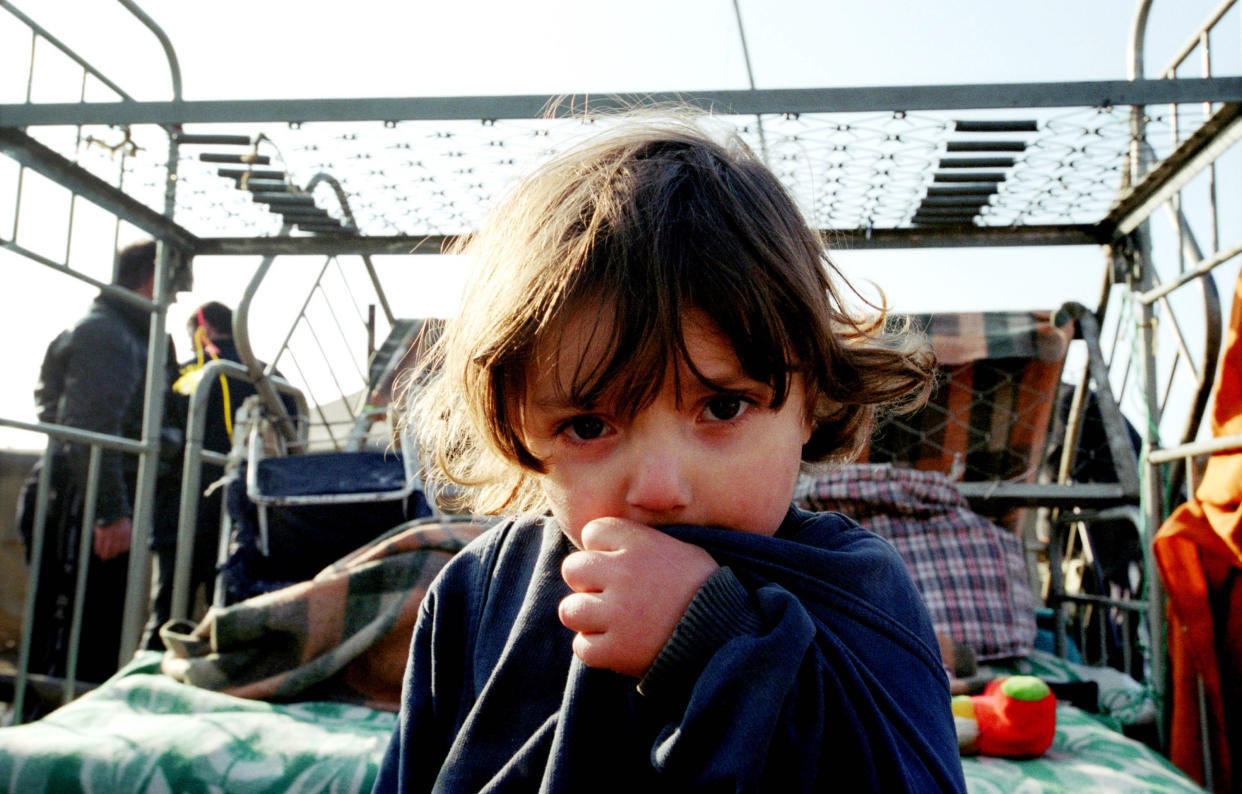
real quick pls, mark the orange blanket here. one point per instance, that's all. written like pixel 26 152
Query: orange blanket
pixel 1199 553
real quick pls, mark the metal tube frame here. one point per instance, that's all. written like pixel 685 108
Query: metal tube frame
pixel 195 456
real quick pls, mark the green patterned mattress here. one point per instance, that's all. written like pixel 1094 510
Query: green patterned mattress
pixel 144 732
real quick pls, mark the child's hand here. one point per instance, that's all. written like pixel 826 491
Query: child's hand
pixel 631 585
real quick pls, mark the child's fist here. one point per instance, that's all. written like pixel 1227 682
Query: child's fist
pixel 631 585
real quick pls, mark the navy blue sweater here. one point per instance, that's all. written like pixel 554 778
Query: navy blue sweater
pixel 806 663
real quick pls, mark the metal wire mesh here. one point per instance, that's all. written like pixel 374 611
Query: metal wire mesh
pixel 847 171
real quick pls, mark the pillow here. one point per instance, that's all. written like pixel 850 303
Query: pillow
pixel 970 572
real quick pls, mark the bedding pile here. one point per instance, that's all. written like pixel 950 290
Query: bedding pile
pixel 344 635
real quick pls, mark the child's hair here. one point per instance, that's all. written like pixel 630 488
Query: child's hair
pixel 643 223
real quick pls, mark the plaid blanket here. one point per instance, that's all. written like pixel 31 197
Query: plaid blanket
pixel 343 635
pixel 989 417
pixel 963 337
pixel 970 572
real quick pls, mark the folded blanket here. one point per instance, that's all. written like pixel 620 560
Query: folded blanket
pixel 343 635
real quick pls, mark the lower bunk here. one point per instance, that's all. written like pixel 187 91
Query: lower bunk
pixel 297 689
pixel 143 731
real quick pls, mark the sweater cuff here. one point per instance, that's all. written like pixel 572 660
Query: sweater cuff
pixel 720 611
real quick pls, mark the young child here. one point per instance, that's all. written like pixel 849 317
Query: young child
pixel 649 350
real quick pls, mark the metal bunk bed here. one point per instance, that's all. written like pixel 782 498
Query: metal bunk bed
pixel 903 167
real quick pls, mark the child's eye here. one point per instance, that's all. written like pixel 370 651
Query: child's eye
pixel 585 428
pixel 725 407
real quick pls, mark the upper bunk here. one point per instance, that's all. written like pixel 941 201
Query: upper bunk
pixel 913 166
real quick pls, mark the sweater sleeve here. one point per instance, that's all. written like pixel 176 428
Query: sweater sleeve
pixel 719 612
pixel 426 723
pixel 758 692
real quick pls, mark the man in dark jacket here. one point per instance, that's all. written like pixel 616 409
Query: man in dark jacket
pixel 93 378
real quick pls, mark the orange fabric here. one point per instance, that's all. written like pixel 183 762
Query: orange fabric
pixel 1199 554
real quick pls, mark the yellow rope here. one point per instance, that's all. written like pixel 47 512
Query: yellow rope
pixel 201 347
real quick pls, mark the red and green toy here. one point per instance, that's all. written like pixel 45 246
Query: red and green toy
pixel 1015 717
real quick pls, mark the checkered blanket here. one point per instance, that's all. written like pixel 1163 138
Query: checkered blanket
pixel 970 572
pixel 343 635
pixel 988 418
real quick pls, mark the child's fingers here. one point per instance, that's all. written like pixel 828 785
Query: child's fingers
pixel 610 534
pixel 591 649
pixel 603 650
pixel 582 613
pixel 585 571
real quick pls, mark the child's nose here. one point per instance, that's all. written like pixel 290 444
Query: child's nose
pixel 658 482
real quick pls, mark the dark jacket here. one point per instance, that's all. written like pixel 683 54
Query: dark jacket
pixel 93 378
pixel 808 663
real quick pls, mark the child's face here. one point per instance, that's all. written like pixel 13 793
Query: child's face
pixel 712 458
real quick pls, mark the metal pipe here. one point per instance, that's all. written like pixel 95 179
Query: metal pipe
pixel 1073 425
pixel 977 176
pixel 1110 413
pixel 192 471
pixel 1205 267
pixel 37 545
pixel 1211 446
pixel 35 27
pixel 174 67
pixel 209 139
pixel 1216 136
pixel 1194 39
pixel 85 543
pixel 25 150
pixel 977 96
pixel 750 77
pixel 112 290
pixel 301 314
pixel 343 199
pixel 976 162
pixel 985 146
pixel 255 159
pixel 138 588
pixel 67 433
pixel 241 338
pixel 1136 223
pixel 996 126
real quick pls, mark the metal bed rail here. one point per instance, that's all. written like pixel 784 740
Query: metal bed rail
pixel 195 456
pixel 96 444
pixel 1191 194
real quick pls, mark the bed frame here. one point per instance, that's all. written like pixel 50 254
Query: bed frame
pixel 1129 167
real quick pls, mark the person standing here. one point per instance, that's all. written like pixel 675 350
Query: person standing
pixel 93 378
pixel 210 326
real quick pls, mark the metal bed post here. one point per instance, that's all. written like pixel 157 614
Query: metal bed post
pixel 1140 275
pixel 195 456
pixel 137 593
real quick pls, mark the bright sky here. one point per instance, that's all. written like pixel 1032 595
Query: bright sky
pixel 244 49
